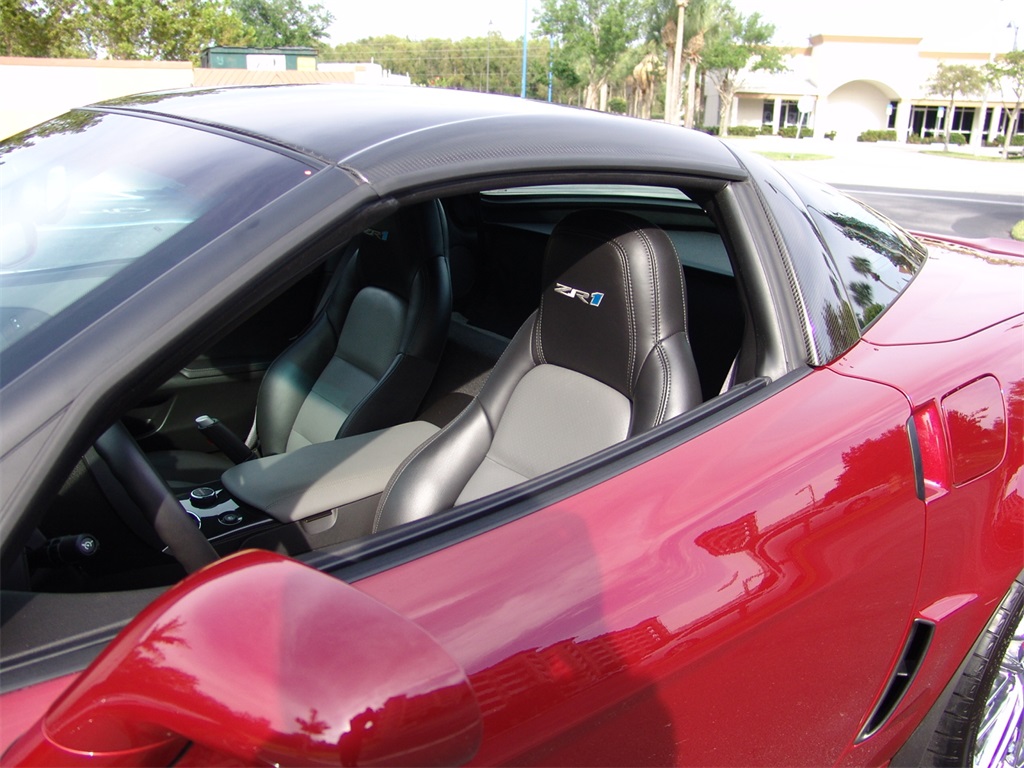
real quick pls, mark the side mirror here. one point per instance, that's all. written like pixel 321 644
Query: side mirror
pixel 262 659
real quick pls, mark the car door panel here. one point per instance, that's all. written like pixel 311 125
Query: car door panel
pixel 720 583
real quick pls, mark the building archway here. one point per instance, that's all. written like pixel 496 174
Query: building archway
pixel 855 107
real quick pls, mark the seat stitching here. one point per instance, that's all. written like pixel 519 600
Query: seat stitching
pixel 666 383
pixel 631 310
pixel 655 281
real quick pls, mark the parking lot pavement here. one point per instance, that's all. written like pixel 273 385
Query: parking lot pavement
pixel 902 166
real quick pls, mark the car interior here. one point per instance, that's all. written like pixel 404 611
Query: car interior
pixel 460 347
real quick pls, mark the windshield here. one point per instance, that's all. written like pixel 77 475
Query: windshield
pixel 88 194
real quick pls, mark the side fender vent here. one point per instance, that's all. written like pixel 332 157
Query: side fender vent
pixel 906 668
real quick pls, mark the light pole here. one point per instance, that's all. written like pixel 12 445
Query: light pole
pixel 677 65
pixel 526 38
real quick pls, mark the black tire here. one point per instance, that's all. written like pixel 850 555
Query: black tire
pixel 956 738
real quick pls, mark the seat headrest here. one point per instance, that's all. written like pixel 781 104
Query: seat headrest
pixel 392 250
pixel 613 291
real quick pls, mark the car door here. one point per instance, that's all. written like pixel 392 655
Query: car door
pixel 741 598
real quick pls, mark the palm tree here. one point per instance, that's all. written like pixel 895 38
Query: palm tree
pixel 701 17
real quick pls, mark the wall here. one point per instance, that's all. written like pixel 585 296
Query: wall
pixel 38 89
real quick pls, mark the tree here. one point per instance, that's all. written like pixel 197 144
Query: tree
pixel 43 28
pixel 702 17
pixel 740 43
pixel 660 25
pixel 1008 71
pixel 167 30
pixel 952 79
pixel 477 63
pixel 592 34
pixel 154 29
pixel 273 23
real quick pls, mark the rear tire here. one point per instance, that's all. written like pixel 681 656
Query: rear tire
pixel 983 724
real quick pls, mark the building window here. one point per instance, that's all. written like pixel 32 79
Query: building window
pixel 790 114
pixel 930 122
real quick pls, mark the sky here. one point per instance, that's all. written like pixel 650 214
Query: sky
pixel 943 23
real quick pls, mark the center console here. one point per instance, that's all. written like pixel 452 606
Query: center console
pixel 307 498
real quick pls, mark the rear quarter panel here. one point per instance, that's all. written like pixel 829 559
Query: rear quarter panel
pixel 954 345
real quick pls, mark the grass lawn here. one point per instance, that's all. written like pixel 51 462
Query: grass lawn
pixel 794 156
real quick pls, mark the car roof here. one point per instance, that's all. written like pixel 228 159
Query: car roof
pixel 391 132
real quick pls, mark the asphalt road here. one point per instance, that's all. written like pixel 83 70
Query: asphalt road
pixel 944 213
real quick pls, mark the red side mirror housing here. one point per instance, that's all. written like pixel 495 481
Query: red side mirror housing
pixel 262 659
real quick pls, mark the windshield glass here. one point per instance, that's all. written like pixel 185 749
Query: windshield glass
pixel 89 194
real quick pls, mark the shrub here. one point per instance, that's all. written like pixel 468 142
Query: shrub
pixel 888 134
pixel 831 135
pixel 1016 141
pixel 1017 231
pixel 618 105
pixel 957 139
pixel 744 130
pixel 711 130
pixel 788 132
pixel 766 129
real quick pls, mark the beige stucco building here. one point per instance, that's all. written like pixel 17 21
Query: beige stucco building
pixel 857 83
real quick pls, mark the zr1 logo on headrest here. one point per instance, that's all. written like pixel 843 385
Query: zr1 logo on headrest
pixel 593 299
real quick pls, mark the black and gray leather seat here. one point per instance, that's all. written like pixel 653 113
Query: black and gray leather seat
pixel 369 356
pixel 605 357
pixel 370 353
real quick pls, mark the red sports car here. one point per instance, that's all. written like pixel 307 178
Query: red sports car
pixel 492 432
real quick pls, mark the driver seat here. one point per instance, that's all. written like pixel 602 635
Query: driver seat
pixel 368 357
pixel 606 356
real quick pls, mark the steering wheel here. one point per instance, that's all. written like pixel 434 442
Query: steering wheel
pixel 174 527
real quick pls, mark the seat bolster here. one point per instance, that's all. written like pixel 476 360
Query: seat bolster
pixel 667 385
pixel 288 382
pixel 432 478
pixel 394 399
pixel 430 311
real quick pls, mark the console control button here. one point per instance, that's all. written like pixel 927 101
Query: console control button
pixel 203 497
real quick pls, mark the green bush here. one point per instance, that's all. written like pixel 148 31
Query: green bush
pixel 831 135
pixel 766 129
pixel 957 139
pixel 878 135
pixel 618 105
pixel 788 132
pixel 1017 231
pixel 711 130
pixel 744 130
pixel 1016 141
